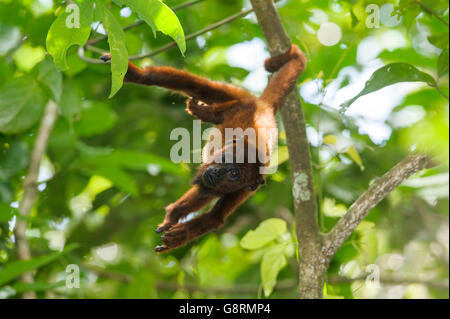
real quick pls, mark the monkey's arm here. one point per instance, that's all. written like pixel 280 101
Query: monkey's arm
pixel 193 200
pixel 212 113
pixel 182 233
pixel 182 81
pixel 289 66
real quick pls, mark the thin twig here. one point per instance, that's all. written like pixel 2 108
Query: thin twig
pixel 369 199
pixel 194 35
pixel 283 285
pixel 140 22
pixel 388 280
pixel 440 91
pixel 237 289
pixel 30 190
pixel 226 290
pixel 431 12
pixel 168 45
pixel 117 276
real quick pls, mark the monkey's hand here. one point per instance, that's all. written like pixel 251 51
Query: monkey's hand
pixel 173 213
pixel 182 233
pixel 193 200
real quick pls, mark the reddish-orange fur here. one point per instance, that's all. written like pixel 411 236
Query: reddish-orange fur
pixel 226 106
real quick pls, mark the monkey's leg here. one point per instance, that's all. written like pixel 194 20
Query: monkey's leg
pixel 193 200
pixel 182 233
pixel 182 81
pixel 211 113
pixel 289 66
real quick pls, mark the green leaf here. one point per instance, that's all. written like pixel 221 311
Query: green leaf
pixel 159 17
pixel 6 72
pixel 27 56
pixel 408 55
pixel 9 38
pixel 282 156
pixel 127 159
pixel 21 287
pixel 439 40
pixel 6 192
pixel 354 155
pixel 388 75
pixel 330 139
pixel 70 102
pixel 443 63
pixel 140 161
pixel 64 33
pixel 267 231
pixel 355 19
pixel 16 268
pixel 117 47
pixel 273 261
pixel 49 77
pixel 6 212
pixel 96 119
pixel 22 103
pixel 13 159
pixel 119 177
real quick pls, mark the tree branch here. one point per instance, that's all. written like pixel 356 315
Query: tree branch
pixel 369 199
pixel 236 289
pixel 311 280
pixel 389 280
pixel 424 7
pixel 30 190
pixel 117 276
pixel 140 22
pixel 194 35
pixel 251 289
pixel 166 46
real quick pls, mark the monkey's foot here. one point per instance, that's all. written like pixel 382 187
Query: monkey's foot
pixel 106 57
pixel 195 107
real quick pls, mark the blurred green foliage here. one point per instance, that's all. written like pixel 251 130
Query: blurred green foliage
pixel 107 176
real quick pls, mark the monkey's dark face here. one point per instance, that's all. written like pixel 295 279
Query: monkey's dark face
pixel 225 175
pixel 215 175
pixel 225 178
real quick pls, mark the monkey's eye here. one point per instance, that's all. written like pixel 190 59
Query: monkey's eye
pixel 234 173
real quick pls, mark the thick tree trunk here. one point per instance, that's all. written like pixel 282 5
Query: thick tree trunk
pixel 316 250
pixel 310 278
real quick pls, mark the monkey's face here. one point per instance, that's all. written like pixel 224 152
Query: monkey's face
pixel 226 175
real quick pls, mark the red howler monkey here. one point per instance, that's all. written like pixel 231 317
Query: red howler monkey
pixel 226 106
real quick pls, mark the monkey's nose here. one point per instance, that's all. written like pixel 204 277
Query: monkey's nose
pixel 212 175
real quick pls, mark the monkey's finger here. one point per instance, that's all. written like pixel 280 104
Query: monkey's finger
pixel 162 228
